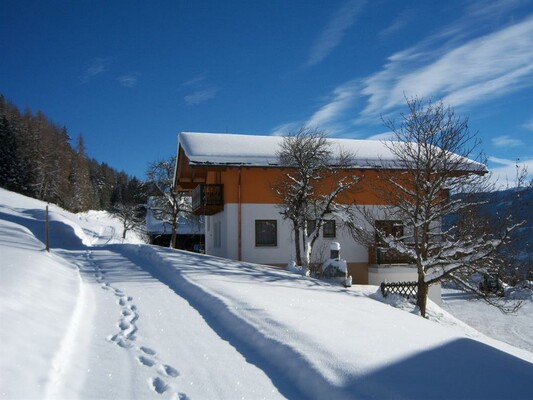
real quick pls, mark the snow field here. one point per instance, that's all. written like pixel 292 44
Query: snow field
pixel 96 318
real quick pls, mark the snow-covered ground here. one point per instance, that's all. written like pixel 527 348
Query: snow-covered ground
pixel 515 328
pixel 98 318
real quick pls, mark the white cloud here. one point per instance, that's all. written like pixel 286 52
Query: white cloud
pixel 343 96
pixel 528 125
pixel 506 141
pixel 382 136
pixel 487 66
pixel 201 96
pixel 195 81
pixel 334 31
pixel 484 9
pixel 129 80
pixel 399 22
pixel 505 172
pixel 284 129
pixel 97 66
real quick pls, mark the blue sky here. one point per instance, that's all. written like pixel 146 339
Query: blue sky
pixel 130 75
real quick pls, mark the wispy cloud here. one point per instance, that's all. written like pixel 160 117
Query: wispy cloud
pixel 482 68
pixel 97 66
pixel 128 80
pixel 489 9
pixel 382 136
pixel 331 36
pixel 342 98
pixel 504 171
pixel 461 63
pixel 195 81
pixel 201 96
pixel 528 125
pixel 284 129
pixel 399 22
pixel 506 141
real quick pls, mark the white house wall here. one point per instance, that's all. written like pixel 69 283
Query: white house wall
pixel 280 254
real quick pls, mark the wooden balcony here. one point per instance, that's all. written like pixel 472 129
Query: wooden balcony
pixel 384 255
pixel 207 199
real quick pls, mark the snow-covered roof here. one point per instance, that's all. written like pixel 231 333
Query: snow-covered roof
pixel 261 151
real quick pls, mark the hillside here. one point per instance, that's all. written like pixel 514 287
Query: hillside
pixel 98 318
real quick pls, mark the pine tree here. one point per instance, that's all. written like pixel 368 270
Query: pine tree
pixel 10 160
pixel 81 187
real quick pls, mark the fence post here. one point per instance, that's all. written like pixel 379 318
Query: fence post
pixel 46 230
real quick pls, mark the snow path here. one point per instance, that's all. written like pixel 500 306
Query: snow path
pixel 149 341
pixel 70 344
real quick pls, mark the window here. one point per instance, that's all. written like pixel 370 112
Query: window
pixel 311 225
pixel 328 229
pixel 266 232
pixel 388 228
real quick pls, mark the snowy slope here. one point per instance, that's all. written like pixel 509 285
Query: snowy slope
pixel 98 318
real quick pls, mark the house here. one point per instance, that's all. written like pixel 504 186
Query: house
pixel 189 232
pixel 230 179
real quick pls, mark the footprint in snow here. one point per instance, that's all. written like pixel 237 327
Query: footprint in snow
pixel 123 325
pixel 146 361
pixel 169 371
pixel 120 341
pixel 122 301
pixel 158 385
pixel 148 350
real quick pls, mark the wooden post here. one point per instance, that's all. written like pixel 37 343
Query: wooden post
pixel 46 230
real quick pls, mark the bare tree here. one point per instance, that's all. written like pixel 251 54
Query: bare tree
pixel 167 204
pixel 435 156
pixel 310 187
pixel 132 216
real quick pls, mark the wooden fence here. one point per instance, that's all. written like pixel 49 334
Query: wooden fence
pixel 405 289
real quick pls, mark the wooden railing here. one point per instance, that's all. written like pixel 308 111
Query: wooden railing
pixel 208 199
pixel 386 255
pixel 405 289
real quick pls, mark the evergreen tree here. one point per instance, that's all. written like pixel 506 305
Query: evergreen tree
pixel 81 187
pixel 11 164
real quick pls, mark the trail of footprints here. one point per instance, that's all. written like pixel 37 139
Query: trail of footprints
pixel 126 337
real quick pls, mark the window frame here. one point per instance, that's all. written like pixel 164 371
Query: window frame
pixel 326 233
pixel 262 243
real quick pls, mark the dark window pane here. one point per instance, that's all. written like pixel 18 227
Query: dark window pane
pixel 311 225
pixel 266 232
pixel 328 229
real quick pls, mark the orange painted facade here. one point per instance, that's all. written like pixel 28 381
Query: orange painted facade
pixel 256 185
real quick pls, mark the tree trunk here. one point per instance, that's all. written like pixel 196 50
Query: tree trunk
pixel 422 295
pixel 173 237
pixel 297 245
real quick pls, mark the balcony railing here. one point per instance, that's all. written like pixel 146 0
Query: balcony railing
pixel 207 199
pixel 386 255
